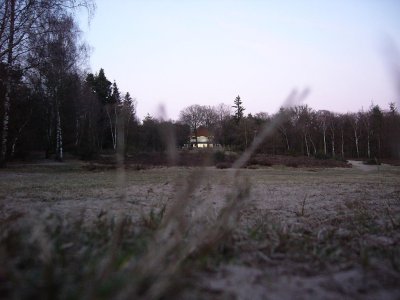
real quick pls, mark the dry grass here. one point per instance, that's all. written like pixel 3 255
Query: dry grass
pixel 179 232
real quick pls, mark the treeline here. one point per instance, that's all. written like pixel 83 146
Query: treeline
pixel 50 105
pixel 301 130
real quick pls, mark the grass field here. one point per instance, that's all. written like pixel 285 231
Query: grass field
pixel 190 233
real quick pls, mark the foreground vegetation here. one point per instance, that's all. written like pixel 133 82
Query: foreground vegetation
pixel 180 232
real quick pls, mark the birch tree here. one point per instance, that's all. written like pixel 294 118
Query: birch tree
pixel 366 121
pixel 19 20
pixel 323 116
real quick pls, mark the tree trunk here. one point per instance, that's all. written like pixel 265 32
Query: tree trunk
pixel 287 142
pixel 195 135
pixel 77 132
pixel 368 146
pixel 19 134
pixel 308 150
pixel 6 107
pixel 245 133
pixel 356 141
pixel 325 142
pixel 333 144
pixel 113 137
pixel 4 136
pixel 59 143
pixel 283 131
pixel 342 143
pixel 312 143
pixel 115 126
pixel 379 147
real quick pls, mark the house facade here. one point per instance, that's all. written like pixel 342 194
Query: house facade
pixel 205 139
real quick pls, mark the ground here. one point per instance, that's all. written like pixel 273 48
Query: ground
pixel 298 233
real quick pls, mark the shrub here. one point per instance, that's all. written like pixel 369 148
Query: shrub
pixel 372 161
pixel 292 164
pixel 219 156
pixel 88 153
pixel 321 155
pixel 293 153
pixel 223 165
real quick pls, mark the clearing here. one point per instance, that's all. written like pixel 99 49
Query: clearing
pixel 298 233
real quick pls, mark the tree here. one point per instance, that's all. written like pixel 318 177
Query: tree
pixel 128 114
pixel 332 128
pixel 150 135
pixel 377 124
pixel 366 121
pixel 302 118
pixel 223 112
pixel 56 54
pixel 194 116
pixel 342 121
pixel 210 117
pixel 355 120
pixel 113 111
pixel 284 124
pixel 239 109
pixel 102 89
pixel 19 20
pixel 323 116
pixel 101 86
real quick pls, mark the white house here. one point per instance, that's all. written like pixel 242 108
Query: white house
pixel 204 138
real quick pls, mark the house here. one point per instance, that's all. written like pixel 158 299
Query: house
pixel 205 139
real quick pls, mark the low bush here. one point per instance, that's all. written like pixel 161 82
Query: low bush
pixel 321 155
pixel 223 165
pixel 372 161
pixel 292 165
pixel 219 156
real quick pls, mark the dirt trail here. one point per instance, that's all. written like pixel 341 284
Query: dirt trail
pixel 366 168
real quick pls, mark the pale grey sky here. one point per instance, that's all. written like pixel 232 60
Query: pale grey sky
pixel 207 52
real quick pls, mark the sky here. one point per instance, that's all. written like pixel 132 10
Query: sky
pixel 184 52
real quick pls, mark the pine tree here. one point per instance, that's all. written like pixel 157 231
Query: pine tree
pixel 238 109
pixel 102 87
pixel 115 95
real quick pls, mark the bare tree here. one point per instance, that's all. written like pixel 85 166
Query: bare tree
pixel 194 117
pixel 366 121
pixel 56 54
pixel 19 20
pixel 284 124
pixel 356 127
pixel 223 111
pixel 302 116
pixel 332 128
pixel 210 117
pixel 323 116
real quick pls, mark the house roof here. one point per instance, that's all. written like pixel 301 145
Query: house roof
pixel 203 131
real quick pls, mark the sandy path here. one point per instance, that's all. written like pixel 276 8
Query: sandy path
pixel 366 168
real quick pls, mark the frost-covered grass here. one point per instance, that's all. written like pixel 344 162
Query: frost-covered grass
pixel 66 232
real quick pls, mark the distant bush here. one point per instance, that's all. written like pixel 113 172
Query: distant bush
pixel 372 161
pixel 261 160
pixel 219 156
pixel 340 158
pixel 293 153
pixel 223 165
pixel 292 165
pixel 321 155
pixel 88 153
pixel 252 167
